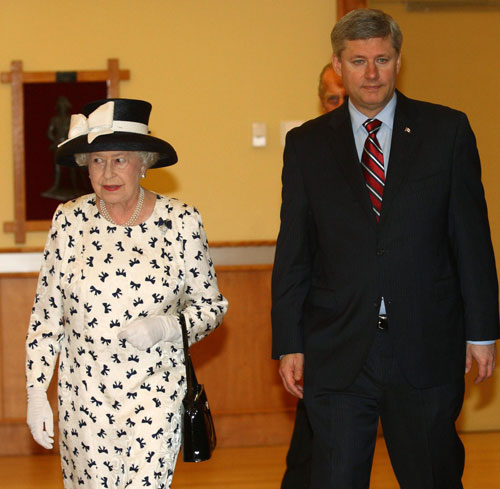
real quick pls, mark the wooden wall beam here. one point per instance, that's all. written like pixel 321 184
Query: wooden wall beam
pixel 42 225
pixel 18 151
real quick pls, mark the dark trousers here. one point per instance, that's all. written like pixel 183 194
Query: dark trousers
pixel 418 425
pixel 298 459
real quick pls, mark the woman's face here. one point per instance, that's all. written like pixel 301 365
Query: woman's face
pixel 115 175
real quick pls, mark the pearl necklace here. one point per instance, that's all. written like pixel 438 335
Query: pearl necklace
pixel 132 218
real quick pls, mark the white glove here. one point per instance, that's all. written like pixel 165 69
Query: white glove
pixel 145 333
pixel 40 418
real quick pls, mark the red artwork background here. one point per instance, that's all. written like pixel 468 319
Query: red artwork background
pixel 40 101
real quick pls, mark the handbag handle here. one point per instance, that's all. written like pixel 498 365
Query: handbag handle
pixel 191 380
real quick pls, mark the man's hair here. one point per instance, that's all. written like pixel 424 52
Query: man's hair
pixel 364 23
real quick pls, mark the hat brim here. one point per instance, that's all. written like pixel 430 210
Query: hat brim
pixel 118 141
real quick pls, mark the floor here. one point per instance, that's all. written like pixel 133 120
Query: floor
pixel 258 468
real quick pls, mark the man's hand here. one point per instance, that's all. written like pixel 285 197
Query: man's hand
pixel 291 371
pixel 485 356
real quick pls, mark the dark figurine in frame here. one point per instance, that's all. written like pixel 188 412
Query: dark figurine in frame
pixel 47 111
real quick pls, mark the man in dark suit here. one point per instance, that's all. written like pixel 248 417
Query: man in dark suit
pixel 384 283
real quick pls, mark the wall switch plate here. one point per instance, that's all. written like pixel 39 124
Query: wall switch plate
pixel 259 134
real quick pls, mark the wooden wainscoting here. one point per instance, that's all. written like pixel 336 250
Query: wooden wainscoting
pixel 249 403
pixel 246 395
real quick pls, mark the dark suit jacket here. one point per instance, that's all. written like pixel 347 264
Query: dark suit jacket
pixel 430 256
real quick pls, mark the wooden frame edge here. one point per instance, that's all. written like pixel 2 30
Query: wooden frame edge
pixel 17 77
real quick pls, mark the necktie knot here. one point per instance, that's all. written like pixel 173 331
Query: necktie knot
pixel 372 125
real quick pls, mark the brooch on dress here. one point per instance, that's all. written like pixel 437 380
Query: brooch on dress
pixel 164 225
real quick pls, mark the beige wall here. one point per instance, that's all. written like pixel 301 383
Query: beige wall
pixel 210 69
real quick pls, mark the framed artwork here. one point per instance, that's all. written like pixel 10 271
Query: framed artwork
pixel 42 104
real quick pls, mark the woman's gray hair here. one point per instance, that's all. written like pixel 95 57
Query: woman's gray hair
pixel 148 158
pixel 365 23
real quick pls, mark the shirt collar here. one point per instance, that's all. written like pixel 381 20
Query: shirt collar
pixel 386 115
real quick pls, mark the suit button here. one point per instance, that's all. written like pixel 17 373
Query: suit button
pixel 380 252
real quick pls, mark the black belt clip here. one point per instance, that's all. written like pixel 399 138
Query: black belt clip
pixel 382 322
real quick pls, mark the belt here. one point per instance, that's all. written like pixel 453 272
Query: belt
pixel 382 322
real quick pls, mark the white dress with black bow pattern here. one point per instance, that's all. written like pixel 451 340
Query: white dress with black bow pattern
pixel 119 408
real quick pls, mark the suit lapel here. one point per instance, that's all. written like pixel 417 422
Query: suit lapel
pixel 343 149
pixel 404 139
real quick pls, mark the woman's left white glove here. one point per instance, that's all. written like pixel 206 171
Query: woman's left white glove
pixel 40 418
pixel 145 333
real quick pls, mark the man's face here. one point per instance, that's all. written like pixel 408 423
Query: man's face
pixel 369 68
pixel 333 91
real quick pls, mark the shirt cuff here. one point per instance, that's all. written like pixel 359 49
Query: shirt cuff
pixel 486 342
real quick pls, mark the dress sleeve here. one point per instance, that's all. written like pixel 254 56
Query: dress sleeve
pixel 204 305
pixel 46 327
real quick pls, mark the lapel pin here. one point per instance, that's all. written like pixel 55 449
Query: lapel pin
pixel 407 129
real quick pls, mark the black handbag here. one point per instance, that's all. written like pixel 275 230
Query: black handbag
pixel 198 431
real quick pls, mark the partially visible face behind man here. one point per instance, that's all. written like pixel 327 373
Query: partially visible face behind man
pixel 369 69
pixel 333 92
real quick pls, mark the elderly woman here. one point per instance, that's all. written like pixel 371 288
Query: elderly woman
pixel 119 267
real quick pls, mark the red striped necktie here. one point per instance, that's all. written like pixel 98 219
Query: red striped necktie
pixel 372 163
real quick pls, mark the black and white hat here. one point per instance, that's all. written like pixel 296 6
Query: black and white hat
pixel 111 125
